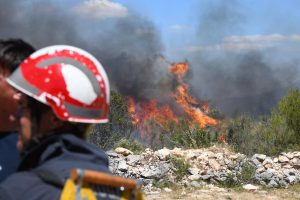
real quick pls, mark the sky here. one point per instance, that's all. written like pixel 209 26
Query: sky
pixel 177 20
pixel 243 54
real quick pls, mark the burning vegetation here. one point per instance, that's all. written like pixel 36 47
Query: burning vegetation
pixel 145 114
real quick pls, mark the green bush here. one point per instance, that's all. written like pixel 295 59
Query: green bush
pixel 247 174
pixel 119 126
pixel 269 135
pixel 186 135
pixel 289 109
pixel 241 134
pixel 180 165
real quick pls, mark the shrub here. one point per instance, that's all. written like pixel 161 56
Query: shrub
pixel 241 134
pixel 180 165
pixel 186 135
pixel 119 126
pixel 289 109
pixel 269 135
pixel 247 174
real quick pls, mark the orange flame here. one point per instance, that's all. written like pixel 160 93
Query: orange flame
pixel 187 102
pixel 150 111
pixel 132 111
pixel 143 113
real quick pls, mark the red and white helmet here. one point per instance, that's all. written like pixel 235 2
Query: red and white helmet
pixel 68 79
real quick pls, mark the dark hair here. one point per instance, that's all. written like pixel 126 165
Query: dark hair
pixel 13 52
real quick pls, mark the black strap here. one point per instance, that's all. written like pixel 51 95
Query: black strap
pixel 50 177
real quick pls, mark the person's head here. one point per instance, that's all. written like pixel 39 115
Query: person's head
pixel 12 53
pixel 69 90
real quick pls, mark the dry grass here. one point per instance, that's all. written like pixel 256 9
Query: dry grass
pixel 213 193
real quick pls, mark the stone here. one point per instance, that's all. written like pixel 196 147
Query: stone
pixel 272 183
pixel 123 151
pixel 234 156
pixel 193 170
pixel 168 190
pixel 191 155
pixel 112 154
pixel 266 175
pixel 211 154
pixel 292 179
pixel 122 166
pixel 134 159
pixel 260 170
pixel 206 177
pixel 259 157
pixel 162 154
pixel 282 183
pixel 297 154
pixel 194 177
pixel 283 159
pixel 290 155
pixel 295 160
pixel 250 187
pixel 256 162
pixel 287 166
pixel 214 164
pixel 155 172
pixel 268 165
pixel 195 184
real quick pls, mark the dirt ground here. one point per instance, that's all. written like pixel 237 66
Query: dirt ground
pixel 217 193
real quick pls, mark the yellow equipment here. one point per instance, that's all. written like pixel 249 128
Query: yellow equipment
pixel 94 185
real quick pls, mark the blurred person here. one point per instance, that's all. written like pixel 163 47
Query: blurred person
pixel 12 53
pixel 63 90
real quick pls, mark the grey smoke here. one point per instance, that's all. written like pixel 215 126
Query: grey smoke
pixel 244 81
pixel 128 47
pixel 218 19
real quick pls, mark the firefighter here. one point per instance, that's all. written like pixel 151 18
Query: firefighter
pixel 12 53
pixel 62 91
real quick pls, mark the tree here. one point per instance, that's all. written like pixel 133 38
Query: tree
pixel 289 108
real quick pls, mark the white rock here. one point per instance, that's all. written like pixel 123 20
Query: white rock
pixel 250 187
pixel 122 166
pixel 168 190
pixel 297 154
pixel 162 154
pixel 194 177
pixel 260 157
pixel 295 160
pixel 282 159
pixel 123 151
pixel 234 156
pixel 214 164
pixel 290 155
pixel 193 170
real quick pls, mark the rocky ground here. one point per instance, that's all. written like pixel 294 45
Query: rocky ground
pixel 206 173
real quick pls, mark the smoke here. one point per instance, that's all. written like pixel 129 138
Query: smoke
pixel 218 19
pixel 239 74
pixel 236 74
pixel 127 46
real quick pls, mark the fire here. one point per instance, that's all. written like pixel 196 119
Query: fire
pixel 143 113
pixel 132 111
pixel 186 101
pixel 162 115
pixel 179 69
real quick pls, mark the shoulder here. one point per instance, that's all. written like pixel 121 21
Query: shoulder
pixel 27 185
